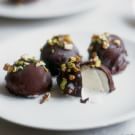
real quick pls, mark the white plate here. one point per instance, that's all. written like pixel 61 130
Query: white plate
pixel 66 113
pixel 45 8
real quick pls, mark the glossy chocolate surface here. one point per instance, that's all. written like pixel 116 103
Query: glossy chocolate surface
pixel 55 55
pixel 27 77
pixel 113 54
pixel 30 81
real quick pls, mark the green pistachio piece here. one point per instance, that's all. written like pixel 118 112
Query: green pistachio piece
pixel 63 83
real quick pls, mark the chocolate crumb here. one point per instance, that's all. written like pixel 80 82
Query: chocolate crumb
pixel 84 101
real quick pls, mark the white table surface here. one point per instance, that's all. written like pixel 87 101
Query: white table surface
pixel 112 16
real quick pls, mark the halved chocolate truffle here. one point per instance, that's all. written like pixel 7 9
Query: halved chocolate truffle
pixel 111 50
pixel 27 77
pixel 70 79
pixel 96 77
pixel 57 51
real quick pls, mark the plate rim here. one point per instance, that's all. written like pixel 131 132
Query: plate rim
pixel 109 123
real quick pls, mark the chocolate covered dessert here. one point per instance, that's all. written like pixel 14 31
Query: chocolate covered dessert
pixel 57 51
pixel 27 77
pixel 111 50
pixel 70 79
pixel 96 76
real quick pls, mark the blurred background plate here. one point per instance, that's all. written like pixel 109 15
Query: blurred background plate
pixel 45 8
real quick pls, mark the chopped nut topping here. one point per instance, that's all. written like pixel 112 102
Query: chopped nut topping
pixel 63 67
pixel 63 83
pixel 63 41
pixel 27 57
pixel 73 59
pixel 71 64
pixel 68 46
pixel 8 68
pixel 98 63
pixel 40 63
pixel 76 69
pixel 95 37
pixel 15 69
pixel 68 70
pixel 71 77
pixel 95 62
pixel 104 36
pixel 117 42
pixel 55 41
pixel 24 61
pixel 105 45
pixel 18 68
pixel 68 38
pixel 101 39
pixel 50 42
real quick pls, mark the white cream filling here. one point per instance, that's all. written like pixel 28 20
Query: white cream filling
pixel 94 80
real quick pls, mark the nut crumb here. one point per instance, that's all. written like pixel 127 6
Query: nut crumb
pixel 8 68
pixel 71 77
pixel 68 46
pixel 105 45
pixel 117 42
pixel 45 97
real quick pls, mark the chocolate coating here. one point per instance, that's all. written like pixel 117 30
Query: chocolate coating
pixel 112 53
pixel 109 77
pixel 30 81
pixel 55 55
pixel 72 78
